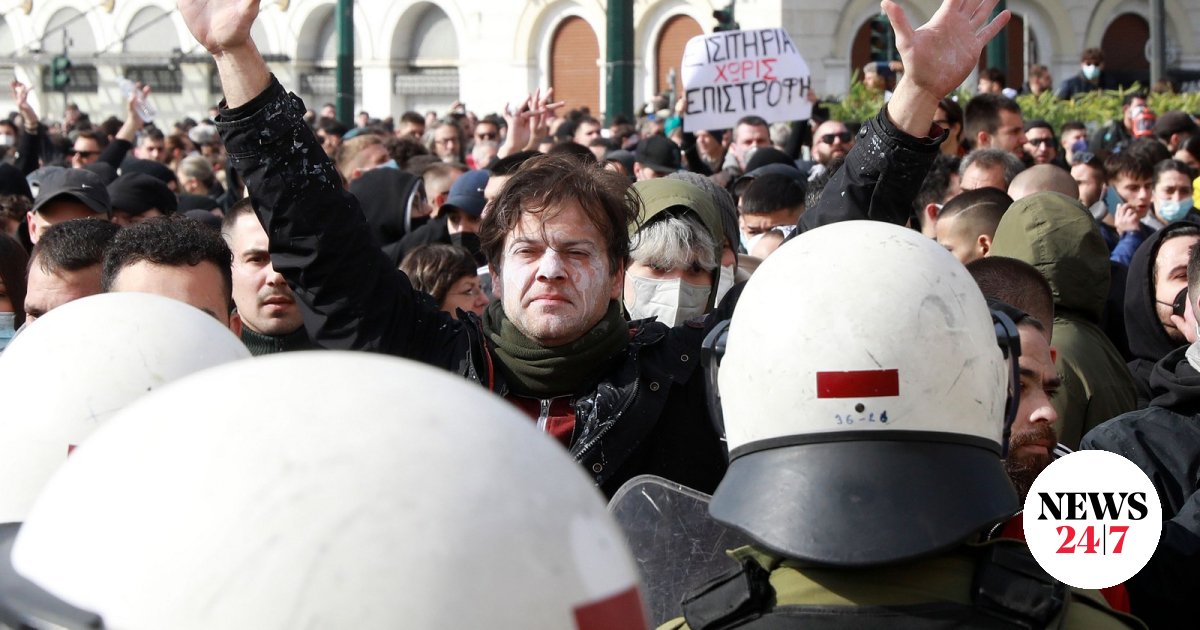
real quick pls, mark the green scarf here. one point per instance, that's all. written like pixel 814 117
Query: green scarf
pixel 535 370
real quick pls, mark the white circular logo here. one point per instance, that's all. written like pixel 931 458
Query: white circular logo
pixel 1092 519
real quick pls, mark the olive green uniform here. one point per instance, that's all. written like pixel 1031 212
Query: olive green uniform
pixel 951 590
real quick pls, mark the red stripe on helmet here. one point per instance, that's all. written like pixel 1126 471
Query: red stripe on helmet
pixel 858 384
pixel 622 611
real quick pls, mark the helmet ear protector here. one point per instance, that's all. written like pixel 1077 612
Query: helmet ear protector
pixel 712 350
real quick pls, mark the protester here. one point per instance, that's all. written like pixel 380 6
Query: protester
pixel 1118 133
pixel 1091 76
pixel 66 264
pixel 67 194
pixel 271 320
pixel 1018 284
pixel 983 168
pixel 773 200
pixel 656 157
pixel 940 186
pixel 1052 232
pixel 1161 440
pixel 993 121
pixel 449 274
pixel 1040 145
pixel 136 197
pixel 1087 169
pixel 394 205
pixel 967 224
pixel 13 260
pixel 1129 187
pixel 950 118
pixel 1172 190
pixel 1174 128
pixel 1042 178
pixel 177 258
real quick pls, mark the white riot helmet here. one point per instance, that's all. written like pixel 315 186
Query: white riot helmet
pixel 81 363
pixel 863 391
pixel 326 490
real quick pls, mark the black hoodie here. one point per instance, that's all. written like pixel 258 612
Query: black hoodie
pixel 1148 340
pixel 1164 441
pixel 384 194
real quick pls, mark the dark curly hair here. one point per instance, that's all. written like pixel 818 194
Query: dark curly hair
pixel 172 241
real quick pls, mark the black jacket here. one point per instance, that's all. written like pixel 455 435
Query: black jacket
pixel 643 412
pixel 1077 85
pixel 1148 340
pixel 1164 441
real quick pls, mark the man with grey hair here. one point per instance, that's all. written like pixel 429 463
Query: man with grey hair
pixel 675 254
pixel 989 167
pixel 729 273
pixel 195 174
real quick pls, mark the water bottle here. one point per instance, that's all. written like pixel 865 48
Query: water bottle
pixel 144 109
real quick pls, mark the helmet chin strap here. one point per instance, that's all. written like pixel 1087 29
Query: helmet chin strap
pixel 711 352
pixel 1009 340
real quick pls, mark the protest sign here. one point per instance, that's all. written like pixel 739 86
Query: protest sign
pixel 733 74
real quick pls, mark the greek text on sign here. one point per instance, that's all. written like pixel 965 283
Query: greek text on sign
pixel 739 73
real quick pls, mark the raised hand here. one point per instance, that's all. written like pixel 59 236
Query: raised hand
pixel 939 55
pixel 219 25
pixel 20 94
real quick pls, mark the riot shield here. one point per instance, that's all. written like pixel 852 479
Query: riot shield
pixel 678 546
pixel 25 606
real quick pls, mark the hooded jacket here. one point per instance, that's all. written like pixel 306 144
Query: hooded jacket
pixel 662 194
pixel 1164 441
pixel 1058 236
pixel 1148 340
pixel 384 194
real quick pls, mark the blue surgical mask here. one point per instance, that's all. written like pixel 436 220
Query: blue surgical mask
pixel 389 164
pixel 1171 210
pixel 1090 72
pixel 7 329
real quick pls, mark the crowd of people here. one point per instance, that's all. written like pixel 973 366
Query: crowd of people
pixel 737 311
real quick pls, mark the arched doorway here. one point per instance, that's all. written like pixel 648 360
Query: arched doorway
pixel 84 78
pixel 152 36
pixel 425 58
pixel 575 65
pixel 1124 46
pixel 669 51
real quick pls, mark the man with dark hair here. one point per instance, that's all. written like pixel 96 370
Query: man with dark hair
pixel 87 148
pixel 1091 76
pixel 412 125
pixel 1039 80
pixel 330 132
pixel 1073 139
pixel 174 257
pixel 1130 178
pixel 1163 440
pixel 1156 295
pixel 991 81
pixel 271 319
pixel 967 223
pixel 751 132
pixel 771 201
pixel 1040 145
pixel 994 121
pixel 1087 169
pixel 65 264
pixel 940 185
pixel 1119 133
pixel 587 129
pixel 986 167
pixel 656 156
pixel 152 145
pixel 625 401
pixel 1174 127
pixel 1017 283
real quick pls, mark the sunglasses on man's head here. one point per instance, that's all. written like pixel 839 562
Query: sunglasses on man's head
pixel 844 136
pixel 487 135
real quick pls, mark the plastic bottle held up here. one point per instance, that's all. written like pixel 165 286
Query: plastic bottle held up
pixel 144 109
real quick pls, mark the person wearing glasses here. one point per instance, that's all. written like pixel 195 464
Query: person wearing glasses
pixel 1040 145
pixel 447 141
pixel 832 140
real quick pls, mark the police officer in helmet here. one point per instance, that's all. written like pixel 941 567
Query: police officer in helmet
pixel 863 483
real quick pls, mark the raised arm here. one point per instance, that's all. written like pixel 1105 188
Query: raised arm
pixel 29 147
pixel 350 294
pixel 884 170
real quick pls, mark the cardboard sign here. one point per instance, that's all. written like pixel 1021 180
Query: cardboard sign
pixel 739 73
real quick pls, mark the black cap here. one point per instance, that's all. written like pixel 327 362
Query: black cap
pixel 135 193
pixel 104 170
pixel 466 193
pixel 158 170
pixel 80 185
pixel 197 202
pixel 659 154
pixel 768 155
pixel 742 183
pixel 13 182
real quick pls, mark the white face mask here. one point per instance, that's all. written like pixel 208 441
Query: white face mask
pixel 1090 71
pixel 6 140
pixel 724 283
pixel 671 301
